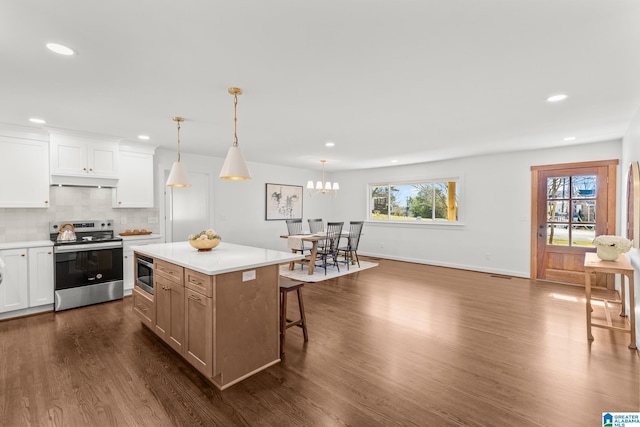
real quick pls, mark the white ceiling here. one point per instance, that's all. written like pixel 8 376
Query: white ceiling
pixel 410 80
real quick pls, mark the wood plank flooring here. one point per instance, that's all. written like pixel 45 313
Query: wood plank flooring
pixel 401 344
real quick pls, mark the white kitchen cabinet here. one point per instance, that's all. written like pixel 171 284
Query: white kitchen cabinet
pixel 128 267
pixel 75 157
pixel 27 278
pixel 135 186
pixel 24 173
pixel 14 289
pixel 40 276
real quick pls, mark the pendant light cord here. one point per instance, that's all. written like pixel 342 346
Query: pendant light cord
pixel 178 141
pixel 235 120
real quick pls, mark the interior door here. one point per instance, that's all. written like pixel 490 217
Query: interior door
pixel 187 208
pixel 571 205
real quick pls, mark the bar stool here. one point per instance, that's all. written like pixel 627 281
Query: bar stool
pixel 287 286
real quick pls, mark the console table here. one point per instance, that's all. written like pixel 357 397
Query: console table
pixel 621 266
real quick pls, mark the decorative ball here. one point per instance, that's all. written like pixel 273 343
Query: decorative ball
pixel 204 245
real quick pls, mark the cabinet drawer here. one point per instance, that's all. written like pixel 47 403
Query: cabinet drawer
pixel 199 282
pixel 170 271
pixel 143 307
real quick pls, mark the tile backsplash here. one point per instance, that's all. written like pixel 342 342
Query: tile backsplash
pixel 72 204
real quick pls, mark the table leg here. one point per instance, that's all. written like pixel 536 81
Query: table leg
pixel 632 311
pixel 587 288
pixel 292 264
pixel 314 253
pixel 622 297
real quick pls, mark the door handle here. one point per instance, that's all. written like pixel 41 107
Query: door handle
pixel 540 234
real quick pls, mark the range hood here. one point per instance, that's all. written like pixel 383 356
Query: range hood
pixel 82 181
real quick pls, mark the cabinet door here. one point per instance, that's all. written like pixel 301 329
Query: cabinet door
pixel 40 276
pixel 135 186
pixel 143 307
pixel 102 160
pixel 169 298
pixel 198 338
pixel 68 156
pixel 14 289
pixel 127 270
pixel 24 164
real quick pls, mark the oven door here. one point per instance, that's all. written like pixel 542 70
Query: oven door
pixel 82 265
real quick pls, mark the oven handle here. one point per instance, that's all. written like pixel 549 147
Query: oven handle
pixel 86 248
pixel 145 263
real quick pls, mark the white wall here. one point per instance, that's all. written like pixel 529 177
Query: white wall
pixel 495 208
pixel 631 152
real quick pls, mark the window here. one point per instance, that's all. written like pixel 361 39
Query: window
pixel 418 201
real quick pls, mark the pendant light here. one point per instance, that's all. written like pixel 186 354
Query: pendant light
pixel 178 176
pixel 235 166
pixel 323 187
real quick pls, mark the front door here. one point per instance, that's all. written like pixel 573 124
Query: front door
pixel 571 205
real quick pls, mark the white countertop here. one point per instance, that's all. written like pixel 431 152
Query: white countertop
pixel 225 258
pixel 30 244
pixel 140 237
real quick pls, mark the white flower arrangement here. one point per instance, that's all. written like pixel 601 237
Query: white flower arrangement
pixel 622 244
pixel 208 234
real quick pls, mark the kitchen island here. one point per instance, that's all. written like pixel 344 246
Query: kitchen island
pixel 219 309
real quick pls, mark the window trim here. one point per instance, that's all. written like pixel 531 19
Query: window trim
pixel 428 223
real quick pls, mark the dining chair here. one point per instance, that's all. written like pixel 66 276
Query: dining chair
pixel 329 248
pixel 294 227
pixel 316 225
pixel 355 230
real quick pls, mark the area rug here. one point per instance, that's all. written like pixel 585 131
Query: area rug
pixel 318 272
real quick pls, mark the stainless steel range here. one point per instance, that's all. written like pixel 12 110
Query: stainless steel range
pixel 88 263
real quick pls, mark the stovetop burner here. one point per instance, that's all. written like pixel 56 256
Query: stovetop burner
pixel 86 232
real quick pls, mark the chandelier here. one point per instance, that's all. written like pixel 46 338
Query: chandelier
pixel 323 187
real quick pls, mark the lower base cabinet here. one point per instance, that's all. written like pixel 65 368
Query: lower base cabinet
pixel 225 325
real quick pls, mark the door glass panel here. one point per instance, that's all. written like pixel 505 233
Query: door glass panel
pixel 582 235
pixel 557 234
pixel 583 186
pixel 583 211
pixel 558 211
pixel 558 187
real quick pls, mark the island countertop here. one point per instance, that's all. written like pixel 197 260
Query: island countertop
pixel 225 258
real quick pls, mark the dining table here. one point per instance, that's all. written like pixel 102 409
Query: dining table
pixel 294 243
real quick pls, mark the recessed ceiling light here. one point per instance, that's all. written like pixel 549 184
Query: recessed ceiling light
pixel 570 138
pixel 36 120
pixel 394 161
pixel 61 49
pixel 145 137
pixel 330 144
pixel 557 98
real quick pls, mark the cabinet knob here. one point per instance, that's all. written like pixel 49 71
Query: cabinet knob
pixel 90 169
pixel 22 254
pixel 119 203
pixel 46 202
pixel 49 252
pixel 126 256
pixel 84 169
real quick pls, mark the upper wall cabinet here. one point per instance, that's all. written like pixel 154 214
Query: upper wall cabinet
pixel 83 160
pixel 135 187
pixel 24 173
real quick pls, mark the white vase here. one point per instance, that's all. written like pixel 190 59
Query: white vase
pixel 608 253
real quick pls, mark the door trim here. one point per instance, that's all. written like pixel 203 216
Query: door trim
pixel 612 166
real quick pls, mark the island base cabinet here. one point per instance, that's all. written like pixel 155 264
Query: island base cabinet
pixel 247 331
pixel 143 307
pixel 198 340
pixel 169 299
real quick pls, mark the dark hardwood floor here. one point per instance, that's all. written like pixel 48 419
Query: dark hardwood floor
pixel 400 344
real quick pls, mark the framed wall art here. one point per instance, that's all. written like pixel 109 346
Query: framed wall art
pixel 283 202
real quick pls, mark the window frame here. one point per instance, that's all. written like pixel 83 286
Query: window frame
pixel 428 223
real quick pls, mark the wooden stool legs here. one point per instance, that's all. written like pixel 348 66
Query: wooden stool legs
pixel 287 286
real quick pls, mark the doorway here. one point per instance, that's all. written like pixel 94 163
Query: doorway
pixel 572 203
pixel 187 208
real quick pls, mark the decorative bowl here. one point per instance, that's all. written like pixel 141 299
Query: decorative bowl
pixel 204 245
